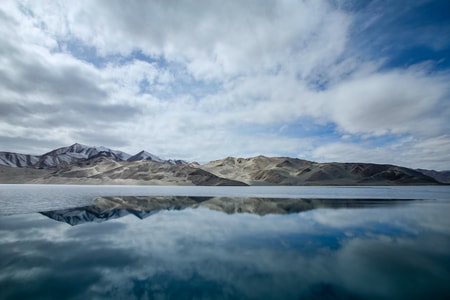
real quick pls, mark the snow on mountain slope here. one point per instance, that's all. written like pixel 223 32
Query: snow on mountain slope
pixel 77 152
pixel 144 155
pixel 17 160
pixel 177 162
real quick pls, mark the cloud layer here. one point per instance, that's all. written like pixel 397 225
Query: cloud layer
pixel 200 80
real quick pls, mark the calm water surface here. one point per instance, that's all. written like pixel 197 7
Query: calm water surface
pixel 24 198
pixel 394 250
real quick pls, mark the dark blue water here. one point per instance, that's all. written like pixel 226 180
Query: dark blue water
pixel 387 251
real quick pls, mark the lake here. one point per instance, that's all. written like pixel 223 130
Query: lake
pixel 276 243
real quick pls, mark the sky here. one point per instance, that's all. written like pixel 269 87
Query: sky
pixel 322 80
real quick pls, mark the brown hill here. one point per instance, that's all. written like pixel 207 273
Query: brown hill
pixel 263 170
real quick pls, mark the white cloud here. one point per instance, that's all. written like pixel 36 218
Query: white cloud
pixel 211 69
pixel 392 102
pixel 212 39
pixel 432 152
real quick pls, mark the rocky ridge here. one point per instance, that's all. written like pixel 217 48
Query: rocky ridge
pixel 263 170
pixel 75 153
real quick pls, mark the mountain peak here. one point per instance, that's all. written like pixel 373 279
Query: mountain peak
pixel 78 145
pixel 75 153
pixel 144 155
pixel 143 152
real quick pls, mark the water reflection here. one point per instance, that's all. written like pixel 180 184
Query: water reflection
pixel 106 208
pixel 373 252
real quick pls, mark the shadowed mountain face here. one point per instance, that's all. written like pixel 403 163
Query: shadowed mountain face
pixel 441 176
pixel 106 208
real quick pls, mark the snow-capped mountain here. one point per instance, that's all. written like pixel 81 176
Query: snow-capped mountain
pixel 17 160
pixel 144 155
pixel 177 162
pixel 73 154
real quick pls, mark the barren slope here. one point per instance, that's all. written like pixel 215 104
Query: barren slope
pixel 103 170
pixel 20 175
pixel 290 171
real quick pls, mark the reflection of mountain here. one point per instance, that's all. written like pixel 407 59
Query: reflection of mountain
pixel 106 208
pixel 86 214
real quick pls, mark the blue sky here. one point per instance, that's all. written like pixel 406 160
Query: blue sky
pixel 200 80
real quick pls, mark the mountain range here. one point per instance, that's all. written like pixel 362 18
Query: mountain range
pixel 74 154
pixel 81 164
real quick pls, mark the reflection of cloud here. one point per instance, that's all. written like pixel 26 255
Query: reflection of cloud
pixel 398 268
pixel 29 227
pixel 204 253
pixel 51 264
pixel 433 216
